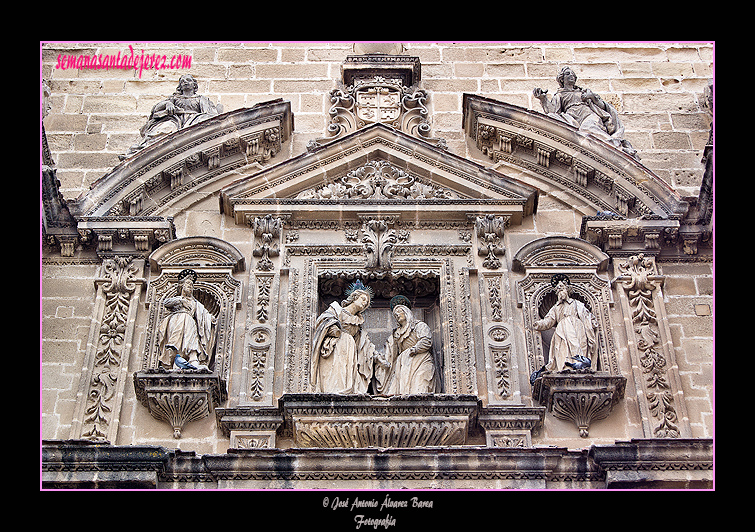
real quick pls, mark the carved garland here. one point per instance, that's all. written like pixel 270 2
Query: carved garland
pixel 119 287
pixel 639 280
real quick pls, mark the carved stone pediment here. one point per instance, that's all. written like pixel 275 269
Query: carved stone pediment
pixel 377 166
pixel 581 396
pixel 148 182
pixel 602 175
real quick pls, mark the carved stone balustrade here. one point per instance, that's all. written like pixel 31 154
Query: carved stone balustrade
pixel 581 396
pixel 179 397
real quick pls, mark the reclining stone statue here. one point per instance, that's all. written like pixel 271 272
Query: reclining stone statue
pixel 584 110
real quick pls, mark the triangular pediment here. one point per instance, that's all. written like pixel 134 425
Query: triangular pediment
pixel 378 169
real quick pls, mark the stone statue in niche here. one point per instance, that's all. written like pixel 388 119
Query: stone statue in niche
pixel 342 354
pixel 585 110
pixel 407 366
pixel 182 109
pixel 187 335
pixel 574 343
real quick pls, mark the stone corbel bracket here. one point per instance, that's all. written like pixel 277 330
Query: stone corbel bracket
pixel 581 396
pixel 179 397
pixel 118 235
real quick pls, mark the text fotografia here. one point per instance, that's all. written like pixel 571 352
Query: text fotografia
pixel 361 520
pixel 130 60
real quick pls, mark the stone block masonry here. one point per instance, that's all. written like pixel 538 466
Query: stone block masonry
pixel 652 85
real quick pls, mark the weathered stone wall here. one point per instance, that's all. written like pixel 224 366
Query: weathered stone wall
pixel 95 115
pixel 657 88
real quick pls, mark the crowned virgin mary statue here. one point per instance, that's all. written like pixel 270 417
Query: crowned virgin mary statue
pixel 342 354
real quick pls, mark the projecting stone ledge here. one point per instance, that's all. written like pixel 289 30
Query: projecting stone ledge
pixel 350 421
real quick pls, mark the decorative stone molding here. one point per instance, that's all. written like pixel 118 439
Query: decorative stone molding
pixel 651 349
pixel 178 398
pixel 656 464
pixel 511 425
pixel 355 421
pixel 408 421
pixel 100 394
pixel 118 235
pixel 581 396
pixel 156 176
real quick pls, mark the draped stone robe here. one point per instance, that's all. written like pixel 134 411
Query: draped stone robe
pixel 575 332
pixel 342 355
pixel 412 367
pixel 188 330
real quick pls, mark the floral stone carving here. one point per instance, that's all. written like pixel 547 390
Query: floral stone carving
pixel 581 396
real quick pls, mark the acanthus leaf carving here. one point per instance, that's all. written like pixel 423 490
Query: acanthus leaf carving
pixel 639 278
pixel 490 239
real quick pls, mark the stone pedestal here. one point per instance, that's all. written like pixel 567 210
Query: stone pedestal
pixel 179 397
pixel 582 396
pixel 368 421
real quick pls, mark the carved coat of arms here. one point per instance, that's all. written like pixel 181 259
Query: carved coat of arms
pixel 378 104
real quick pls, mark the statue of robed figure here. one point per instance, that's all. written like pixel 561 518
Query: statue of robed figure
pixel 182 109
pixel 574 343
pixel 584 110
pixel 186 336
pixel 342 354
pixel 407 365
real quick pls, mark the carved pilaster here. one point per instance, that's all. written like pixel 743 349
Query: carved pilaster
pixel 98 403
pixel 259 340
pixel 650 348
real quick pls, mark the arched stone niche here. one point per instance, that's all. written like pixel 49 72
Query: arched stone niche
pixel 582 262
pixel 181 396
pixel 585 395
pixel 215 261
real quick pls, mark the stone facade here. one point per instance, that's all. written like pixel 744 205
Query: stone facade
pixel 423 170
